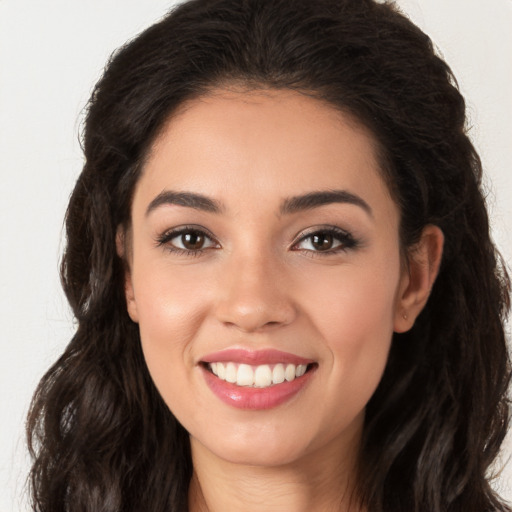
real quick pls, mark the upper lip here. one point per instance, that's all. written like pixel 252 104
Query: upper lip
pixel 254 357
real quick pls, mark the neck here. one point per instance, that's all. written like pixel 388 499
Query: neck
pixel 323 482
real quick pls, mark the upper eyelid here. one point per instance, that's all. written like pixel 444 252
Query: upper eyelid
pixel 346 238
pixel 178 230
pixel 305 233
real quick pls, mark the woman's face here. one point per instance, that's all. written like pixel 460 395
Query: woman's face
pixel 264 244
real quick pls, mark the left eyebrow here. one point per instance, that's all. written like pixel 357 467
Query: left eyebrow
pixel 321 198
pixel 186 199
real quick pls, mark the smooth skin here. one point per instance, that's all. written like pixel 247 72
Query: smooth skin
pixel 218 259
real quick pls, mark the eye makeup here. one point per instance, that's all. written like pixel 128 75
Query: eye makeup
pixel 190 240
pixel 325 240
pixel 193 240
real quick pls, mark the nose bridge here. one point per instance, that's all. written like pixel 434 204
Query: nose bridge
pixel 253 292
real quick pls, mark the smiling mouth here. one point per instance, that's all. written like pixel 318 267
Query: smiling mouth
pixel 257 376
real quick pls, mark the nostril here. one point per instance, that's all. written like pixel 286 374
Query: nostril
pixel 253 321
pixel 253 302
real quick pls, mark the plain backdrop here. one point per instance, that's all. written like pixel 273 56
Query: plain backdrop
pixel 51 54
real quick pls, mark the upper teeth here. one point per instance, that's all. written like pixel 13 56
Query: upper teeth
pixel 261 376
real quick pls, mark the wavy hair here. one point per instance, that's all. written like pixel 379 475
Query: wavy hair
pixel 100 435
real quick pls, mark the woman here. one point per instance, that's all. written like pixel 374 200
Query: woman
pixel 280 264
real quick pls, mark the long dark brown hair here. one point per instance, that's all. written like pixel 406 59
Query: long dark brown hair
pixel 102 438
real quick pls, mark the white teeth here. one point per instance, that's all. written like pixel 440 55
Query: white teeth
pixel 261 376
pixel 300 370
pixel 278 374
pixel 231 371
pixel 221 371
pixel 245 375
pixel 289 373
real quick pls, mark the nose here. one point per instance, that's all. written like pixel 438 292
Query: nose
pixel 254 295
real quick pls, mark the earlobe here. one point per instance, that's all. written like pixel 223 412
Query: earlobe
pixel 424 260
pixel 122 252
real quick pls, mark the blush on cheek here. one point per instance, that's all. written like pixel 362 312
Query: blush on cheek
pixel 359 334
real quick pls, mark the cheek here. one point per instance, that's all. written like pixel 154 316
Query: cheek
pixel 169 300
pixel 171 308
pixel 354 314
pixel 355 302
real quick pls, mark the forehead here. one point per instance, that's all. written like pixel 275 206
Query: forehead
pixel 262 144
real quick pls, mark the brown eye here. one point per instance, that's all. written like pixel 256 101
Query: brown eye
pixel 193 241
pixel 322 241
pixel 187 241
pixel 329 240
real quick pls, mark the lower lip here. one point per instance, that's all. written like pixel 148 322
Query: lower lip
pixel 243 397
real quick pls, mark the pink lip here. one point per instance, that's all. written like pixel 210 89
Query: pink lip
pixel 243 397
pixel 254 357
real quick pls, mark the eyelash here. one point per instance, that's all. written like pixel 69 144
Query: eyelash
pixel 345 239
pixel 164 240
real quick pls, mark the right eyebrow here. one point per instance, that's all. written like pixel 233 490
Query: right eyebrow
pixel 187 199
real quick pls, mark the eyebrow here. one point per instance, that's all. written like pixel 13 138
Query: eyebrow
pixel 289 206
pixel 321 198
pixel 187 199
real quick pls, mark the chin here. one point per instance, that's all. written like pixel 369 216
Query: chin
pixel 265 443
pixel 267 453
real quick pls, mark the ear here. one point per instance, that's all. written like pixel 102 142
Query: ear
pixel 123 251
pixel 424 260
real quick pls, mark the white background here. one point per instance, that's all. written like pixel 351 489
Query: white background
pixel 51 54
